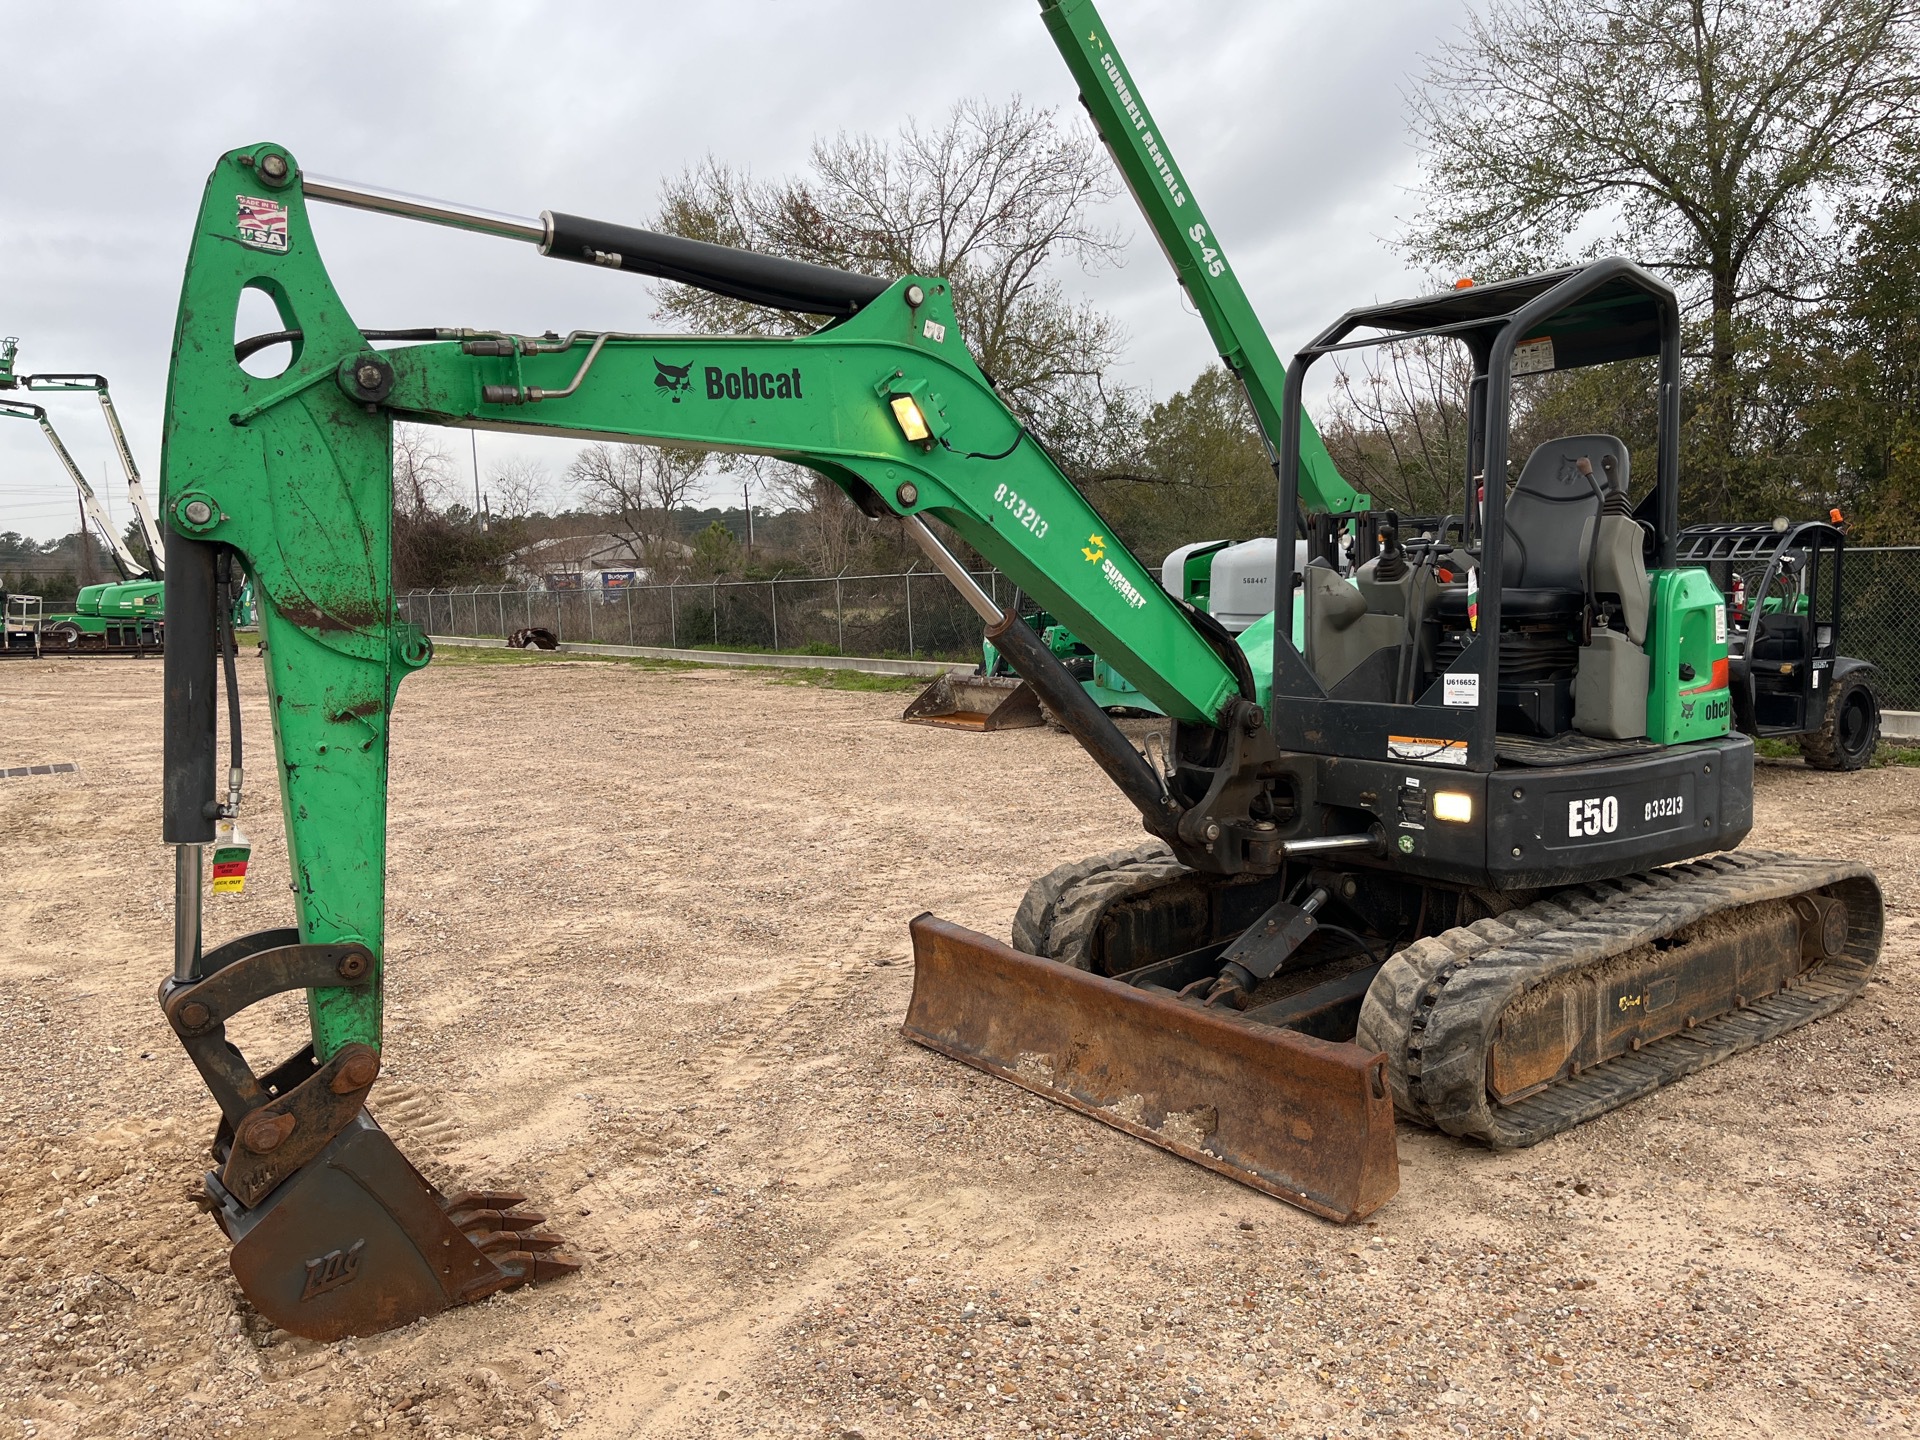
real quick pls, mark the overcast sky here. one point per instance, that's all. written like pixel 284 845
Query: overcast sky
pixel 1287 116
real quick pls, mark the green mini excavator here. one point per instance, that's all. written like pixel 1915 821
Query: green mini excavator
pixel 1463 852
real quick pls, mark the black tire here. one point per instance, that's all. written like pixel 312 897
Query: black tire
pixel 1852 730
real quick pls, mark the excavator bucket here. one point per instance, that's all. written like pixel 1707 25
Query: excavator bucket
pixel 356 1241
pixel 976 702
pixel 334 1233
pixel 1306 1120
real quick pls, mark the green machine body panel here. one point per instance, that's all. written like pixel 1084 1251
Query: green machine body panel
pixel 1688 698
pixel 1146 162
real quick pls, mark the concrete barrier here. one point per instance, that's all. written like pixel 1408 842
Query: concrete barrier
pixel 871 665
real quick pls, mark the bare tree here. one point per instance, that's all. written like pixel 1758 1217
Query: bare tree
pixel 1715 139
pixel 1397 424
pixel 641 490
pixel 422 471
pixel 518 488
pixel 993 198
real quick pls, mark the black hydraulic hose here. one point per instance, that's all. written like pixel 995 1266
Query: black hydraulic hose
pixel 254 344
pixel 1352 935
pixel 1019 435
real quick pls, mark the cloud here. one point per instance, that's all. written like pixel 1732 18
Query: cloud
pixel 1285 114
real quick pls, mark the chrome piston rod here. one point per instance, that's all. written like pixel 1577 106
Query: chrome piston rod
pixel 187 871
pixel 384 201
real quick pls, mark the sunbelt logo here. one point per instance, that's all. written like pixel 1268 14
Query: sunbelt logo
pixel 745 384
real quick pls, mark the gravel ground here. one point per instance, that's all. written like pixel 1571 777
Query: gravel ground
pixel 649 957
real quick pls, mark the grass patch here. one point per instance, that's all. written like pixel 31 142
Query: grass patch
pixel 858 680
pixel 1891 752
pixel 504 654
pixel 826 651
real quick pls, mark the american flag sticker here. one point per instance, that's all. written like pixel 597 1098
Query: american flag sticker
pixel 262 223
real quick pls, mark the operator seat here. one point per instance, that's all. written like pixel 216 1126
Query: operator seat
pixel 1543 563
pixel 1552 514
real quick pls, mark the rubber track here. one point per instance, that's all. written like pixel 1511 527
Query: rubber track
pixel 1435 1007
pixel 1057 916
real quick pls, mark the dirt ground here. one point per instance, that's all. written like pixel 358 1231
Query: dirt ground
pixel 648 956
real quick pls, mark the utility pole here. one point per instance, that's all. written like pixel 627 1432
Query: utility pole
pixel 479 512
pixel 86 546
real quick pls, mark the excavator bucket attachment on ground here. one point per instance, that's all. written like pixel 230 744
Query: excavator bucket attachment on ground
pixel 356 1241
pixel 976 702
pixel 334 1233
pixel 1306 1120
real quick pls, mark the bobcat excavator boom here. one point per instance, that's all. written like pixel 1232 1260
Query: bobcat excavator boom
pixel 286 480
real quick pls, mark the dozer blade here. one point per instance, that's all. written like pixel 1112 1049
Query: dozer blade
pixel 976 702
pixel 356 1241
pixel 1306 1120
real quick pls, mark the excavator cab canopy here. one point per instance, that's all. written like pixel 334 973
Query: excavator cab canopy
pixel 1406 677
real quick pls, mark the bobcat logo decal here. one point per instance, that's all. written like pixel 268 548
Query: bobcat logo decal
pixel 673 378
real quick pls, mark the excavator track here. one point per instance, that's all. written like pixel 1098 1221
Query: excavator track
pixel 1626 972
pixel 1061 910
pixel 1514 1028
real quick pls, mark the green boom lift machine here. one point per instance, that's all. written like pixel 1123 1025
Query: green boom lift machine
pixel 1459 854
pixel 117 618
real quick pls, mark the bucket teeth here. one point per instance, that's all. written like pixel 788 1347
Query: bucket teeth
pixel 468 1219
pixel 484 1200
pixel 511 1240
pixel 529 1268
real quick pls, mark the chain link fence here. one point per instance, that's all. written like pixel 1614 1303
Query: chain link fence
pixel 919 614
pixel 914 614
pixel 1880 619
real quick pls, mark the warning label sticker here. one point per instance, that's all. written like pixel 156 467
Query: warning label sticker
pixel 262 223
pixel 1533 357
pixel 1431 752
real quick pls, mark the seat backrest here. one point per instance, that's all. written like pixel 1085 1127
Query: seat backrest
pixel 1549 507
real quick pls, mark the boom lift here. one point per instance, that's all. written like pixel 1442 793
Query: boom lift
pixel 1336 835
pixel 111 618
